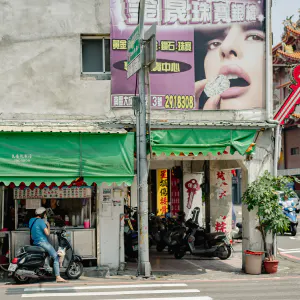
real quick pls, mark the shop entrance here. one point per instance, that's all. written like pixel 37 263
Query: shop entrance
pixel 72 207
pixel 207 192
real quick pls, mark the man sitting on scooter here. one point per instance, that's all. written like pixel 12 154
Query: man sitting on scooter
pixel 40 230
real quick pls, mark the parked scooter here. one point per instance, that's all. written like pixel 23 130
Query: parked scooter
pixel 290 213
pixel 31 262
pixel 199 243
pixel 237 232
pixel 130 241
pixel 167 232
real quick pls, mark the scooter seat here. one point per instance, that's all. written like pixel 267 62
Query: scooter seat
pixel 214 235
pixel 34 249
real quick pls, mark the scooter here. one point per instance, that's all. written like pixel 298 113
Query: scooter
pixel 237 232
pixel 290 213
pixel 33 262
pixel 200 243
pixel 130 241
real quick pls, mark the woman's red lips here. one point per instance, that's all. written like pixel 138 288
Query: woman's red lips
pixel 236 91
pixel 235 70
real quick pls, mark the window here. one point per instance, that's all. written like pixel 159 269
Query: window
pixel 295 151
pixel 95 55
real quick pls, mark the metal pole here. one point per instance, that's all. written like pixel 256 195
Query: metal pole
pixel 269 68
pixel 275 162
pixel 276 151
pixel 142 171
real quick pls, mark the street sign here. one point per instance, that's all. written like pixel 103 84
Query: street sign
pixel 133 52
pixel 150 47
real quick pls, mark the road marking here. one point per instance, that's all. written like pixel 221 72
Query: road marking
pixel 290 251
pixel 292 238
pixel 172 298
pixel 96 287
pixel 195 265
pixel 142 292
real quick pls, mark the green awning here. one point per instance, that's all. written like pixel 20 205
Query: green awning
pixel 56 157
pixel 203 141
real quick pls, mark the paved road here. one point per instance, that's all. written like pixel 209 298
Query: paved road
pixel 289 246
pixel 255 288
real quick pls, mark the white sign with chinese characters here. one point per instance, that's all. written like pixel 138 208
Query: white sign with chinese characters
pixel 73 192
pixel 33 203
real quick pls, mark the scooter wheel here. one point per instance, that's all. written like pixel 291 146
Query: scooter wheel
pixel 21 279
pixel 226 256
pixel 179 254
pixel 75 270
pixel 294 230
pixel 160 248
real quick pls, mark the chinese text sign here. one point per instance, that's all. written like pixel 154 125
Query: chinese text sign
pixel 162 188
pixel 210 53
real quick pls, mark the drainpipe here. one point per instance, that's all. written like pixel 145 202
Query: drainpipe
pixel 122 263
pixel 269 95
pixel 276 152
pixel 269 66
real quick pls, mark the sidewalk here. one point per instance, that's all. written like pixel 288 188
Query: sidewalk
pixel 166 267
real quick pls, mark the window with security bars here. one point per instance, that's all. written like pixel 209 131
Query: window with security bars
pixel 295 151
pixel 95 55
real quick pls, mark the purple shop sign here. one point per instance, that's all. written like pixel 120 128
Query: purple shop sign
pixel 197 43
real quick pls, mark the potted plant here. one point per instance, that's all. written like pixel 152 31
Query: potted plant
pixel 262 195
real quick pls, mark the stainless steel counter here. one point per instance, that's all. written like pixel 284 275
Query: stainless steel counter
pixel 82 240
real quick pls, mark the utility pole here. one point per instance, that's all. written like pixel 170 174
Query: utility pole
pixel 142 164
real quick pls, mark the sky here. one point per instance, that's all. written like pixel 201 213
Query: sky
pixel 280 10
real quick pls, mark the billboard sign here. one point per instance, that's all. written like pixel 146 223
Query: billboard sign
pixel 210 53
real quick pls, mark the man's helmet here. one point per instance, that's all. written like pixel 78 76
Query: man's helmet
pixel 40 211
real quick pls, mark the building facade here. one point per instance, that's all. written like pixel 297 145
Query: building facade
pixel 286 60
pixel 57 76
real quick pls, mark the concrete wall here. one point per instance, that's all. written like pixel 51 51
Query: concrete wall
pixel 261 161
pixel 220 198
pixel 110 209
pixel 292 140
pixel 40 58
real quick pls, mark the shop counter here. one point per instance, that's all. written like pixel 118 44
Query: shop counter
pixel 82 240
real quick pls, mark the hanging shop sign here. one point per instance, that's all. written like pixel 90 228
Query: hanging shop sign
pixel 36 193
pixel 162 186
pixel 196 41
pixel 175 194
pixel 192 197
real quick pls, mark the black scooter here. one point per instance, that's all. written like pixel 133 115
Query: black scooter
pixel 200 243
pixel 31 262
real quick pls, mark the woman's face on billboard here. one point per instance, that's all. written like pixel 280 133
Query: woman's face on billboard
pixel 238 53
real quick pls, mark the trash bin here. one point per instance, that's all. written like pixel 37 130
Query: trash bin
pixel 253 262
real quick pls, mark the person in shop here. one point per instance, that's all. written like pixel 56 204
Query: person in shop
pixel 56 208
pixel 45 203
pixel 56 213
pixel 40 230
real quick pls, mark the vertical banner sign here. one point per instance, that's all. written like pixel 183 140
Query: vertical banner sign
pixel 162 191
pixel 221 201
pixel 192 197
pixel 175 194
pixel 210 53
